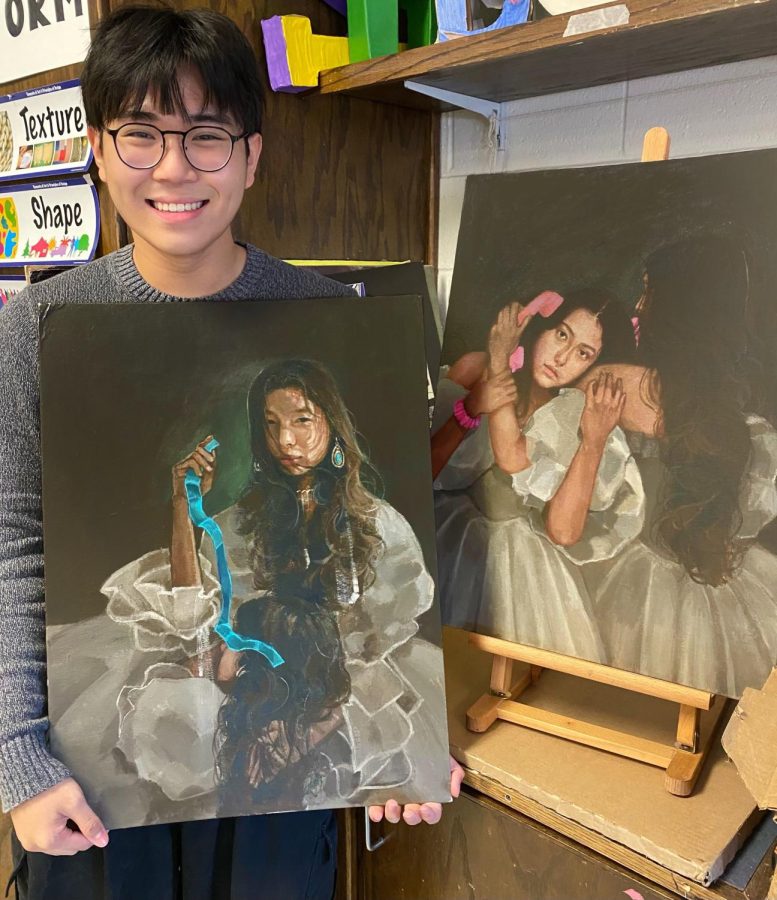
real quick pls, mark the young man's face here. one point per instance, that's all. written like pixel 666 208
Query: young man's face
pixel 143 197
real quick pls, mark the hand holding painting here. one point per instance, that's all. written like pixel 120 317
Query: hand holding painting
pixel 58 821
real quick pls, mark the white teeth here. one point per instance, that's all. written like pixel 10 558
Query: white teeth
pixel 177 207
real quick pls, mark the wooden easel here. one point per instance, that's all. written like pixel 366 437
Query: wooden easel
pixel 683 760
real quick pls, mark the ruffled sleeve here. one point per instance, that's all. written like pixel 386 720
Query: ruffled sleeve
pixel 379 716
pixel 758 493
pixel 617 511
pixel 161 617
pixel 473 456
pixel 385 616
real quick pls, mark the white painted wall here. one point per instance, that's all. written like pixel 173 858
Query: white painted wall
pixel 720 109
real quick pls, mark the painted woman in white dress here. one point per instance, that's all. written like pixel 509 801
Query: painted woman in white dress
pixel 521 504
pixel 695 600
pixel 323 573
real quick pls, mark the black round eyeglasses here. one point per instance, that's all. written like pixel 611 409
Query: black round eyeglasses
pixel 207 148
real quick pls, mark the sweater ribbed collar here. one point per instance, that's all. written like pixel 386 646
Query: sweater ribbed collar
pixel 242 288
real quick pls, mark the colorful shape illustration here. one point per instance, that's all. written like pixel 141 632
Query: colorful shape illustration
pixel 9 228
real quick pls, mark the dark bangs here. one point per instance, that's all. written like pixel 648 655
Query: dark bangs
pixel 141 49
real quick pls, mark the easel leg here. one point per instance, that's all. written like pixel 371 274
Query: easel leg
pixel 484 712
pixel 688 729
pixel 501 676
pixel 686 764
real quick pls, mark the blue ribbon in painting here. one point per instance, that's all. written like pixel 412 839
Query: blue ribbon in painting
pixel 201 519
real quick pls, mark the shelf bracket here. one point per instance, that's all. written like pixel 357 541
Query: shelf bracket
pixel 489 109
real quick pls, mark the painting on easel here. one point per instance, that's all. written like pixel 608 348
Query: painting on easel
pixel 604 441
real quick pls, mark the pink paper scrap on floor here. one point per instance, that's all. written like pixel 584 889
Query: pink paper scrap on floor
pixel 635 895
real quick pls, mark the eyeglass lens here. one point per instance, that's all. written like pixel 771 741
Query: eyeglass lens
pixel 142 146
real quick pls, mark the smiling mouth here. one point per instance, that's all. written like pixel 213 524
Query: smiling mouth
pixel 188 206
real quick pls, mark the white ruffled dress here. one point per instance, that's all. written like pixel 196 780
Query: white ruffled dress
pixel 499 573
pixel 657 620
pixel 149 756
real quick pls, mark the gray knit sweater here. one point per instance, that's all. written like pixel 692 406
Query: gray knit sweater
pixel 26 766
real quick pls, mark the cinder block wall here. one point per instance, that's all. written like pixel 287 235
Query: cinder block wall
pixel 721 109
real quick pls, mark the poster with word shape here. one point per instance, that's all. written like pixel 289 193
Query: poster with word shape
pixel 46 34
pixel 49 223
pixel 43 132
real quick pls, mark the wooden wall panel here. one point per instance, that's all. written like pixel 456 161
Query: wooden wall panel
pixel 339 177
pixel 482 851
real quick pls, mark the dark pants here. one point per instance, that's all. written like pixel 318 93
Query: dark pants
pixel 285 856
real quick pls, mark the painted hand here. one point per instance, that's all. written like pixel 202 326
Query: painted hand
pixel 58 821
pixel 200 461
pixel 492 394
pixel 415 813
pixel 604 401
pixel 505 335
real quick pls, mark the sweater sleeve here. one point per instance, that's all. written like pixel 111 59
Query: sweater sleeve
pixel 26 766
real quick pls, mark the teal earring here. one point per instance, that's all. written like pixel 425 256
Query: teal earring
pixel 338 457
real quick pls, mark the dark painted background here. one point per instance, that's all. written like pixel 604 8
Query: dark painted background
pixel 126 391
pixel 524 233
pixel 571 228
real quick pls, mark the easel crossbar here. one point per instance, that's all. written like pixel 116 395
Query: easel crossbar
pixel 630 681
pixel 646 751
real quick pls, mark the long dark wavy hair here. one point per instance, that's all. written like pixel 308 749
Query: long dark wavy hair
pixel 296 565
pixel 693 337
pixel 617 333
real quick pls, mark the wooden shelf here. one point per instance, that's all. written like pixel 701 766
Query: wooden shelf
pixel 533 59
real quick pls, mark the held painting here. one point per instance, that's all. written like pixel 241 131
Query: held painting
pixel 239 535
pixel 604 441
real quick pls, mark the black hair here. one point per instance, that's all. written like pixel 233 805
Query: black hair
pixel 344 497
pixel 142 49
pixel 694 337
pixel 265 722
pixel 618 343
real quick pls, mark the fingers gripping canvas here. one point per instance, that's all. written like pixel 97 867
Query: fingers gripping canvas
pixel 605 463
pixel 239 536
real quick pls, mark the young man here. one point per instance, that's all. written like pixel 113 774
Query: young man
pixel 173 103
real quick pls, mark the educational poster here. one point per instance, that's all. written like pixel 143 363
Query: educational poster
pixel 10 285
pixel 43 132
pixel 49 222
pixel 610 344
pixel 42 35
pixel 251 625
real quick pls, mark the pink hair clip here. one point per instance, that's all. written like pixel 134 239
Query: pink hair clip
pixel 635 326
